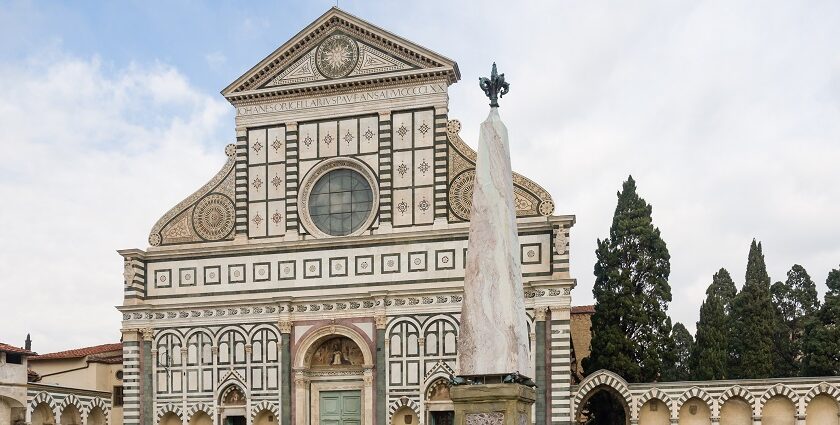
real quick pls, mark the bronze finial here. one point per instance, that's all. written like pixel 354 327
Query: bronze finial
pixel 494 87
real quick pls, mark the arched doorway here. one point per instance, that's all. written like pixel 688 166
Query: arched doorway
pixel 42 415
pixel 96 416
pixel 232 406
pixel 404 416
pixel 333 377
pixel 265 417
pixel 438 403
pixel 71 415
pixel 603 405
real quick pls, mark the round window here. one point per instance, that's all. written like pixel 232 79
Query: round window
pixel 340 202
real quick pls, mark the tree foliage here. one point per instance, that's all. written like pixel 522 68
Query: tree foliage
pixel 678 364
pixel 796 301
pixel 821 342
pixel 711 348
pixel 753 315
pixel 630 327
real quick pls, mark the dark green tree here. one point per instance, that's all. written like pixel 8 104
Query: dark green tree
pixel 711 350
pixel 678 364
pixel 751 340
pixel 795 301
pixel 630 327
pixel 821 343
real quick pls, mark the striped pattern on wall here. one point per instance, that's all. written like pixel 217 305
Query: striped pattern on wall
pixel 561 371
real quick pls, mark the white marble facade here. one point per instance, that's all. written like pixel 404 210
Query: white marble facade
pixel 325 261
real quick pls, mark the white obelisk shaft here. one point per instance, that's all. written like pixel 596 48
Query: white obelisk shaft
pixel 494 334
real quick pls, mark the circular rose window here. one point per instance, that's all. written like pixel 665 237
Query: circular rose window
pixel 340 202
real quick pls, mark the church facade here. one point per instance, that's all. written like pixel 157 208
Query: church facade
pixel 317 277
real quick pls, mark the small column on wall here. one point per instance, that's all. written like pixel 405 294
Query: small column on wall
pixel 131 376
pixel 292 181
pixel 301 407
pixel 214 351
pixel 559 375
pixel 285 326
pixel 385 175
pixel 441 163
pixel 146 386
pixel 241 183
pixel 380 399
pixel 540 363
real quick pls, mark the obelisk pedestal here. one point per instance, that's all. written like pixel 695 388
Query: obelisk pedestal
pixel 493 348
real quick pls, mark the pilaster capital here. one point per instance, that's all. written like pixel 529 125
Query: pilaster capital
pixel 381 321
pixel 285 326
pixel 184 351
pixel 148 333
pixel 301 378
pixel 384 115
pixel 291 126
pixel 214 349
pixel 368 377
pixel 539 313
pixel 249 348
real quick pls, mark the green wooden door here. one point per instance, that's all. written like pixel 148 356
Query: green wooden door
pixel 340 408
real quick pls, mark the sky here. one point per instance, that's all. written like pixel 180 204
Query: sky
pixel 726 113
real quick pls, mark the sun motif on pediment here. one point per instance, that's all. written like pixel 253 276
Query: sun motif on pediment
pixel 337 56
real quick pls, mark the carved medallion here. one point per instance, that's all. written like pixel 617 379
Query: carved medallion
pixel 337 56
pixel 460 194
pixel 214 217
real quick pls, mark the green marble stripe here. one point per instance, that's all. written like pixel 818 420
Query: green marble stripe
pixel 381 417
pixel 286 379
pixel 539 371
pixel 147 415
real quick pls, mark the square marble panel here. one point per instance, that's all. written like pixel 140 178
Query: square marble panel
pixel 163 278
pixel 312 268
pixel 328 139
pixel 424 128
pixel 424 205
pixel 417 261
pixel 186 276
pixel 262 272
pixel 257 183
pixel 338 267
pixel 308 141
pixel 390 263
pixel 275 181
pixel 369 134
pixel 286 269
pixel 364 264
pixel 531 253
pixel 212 275
pixel 445 259
pixel 348 136
pixel 401 133
pixel 424 164
pixel 236 273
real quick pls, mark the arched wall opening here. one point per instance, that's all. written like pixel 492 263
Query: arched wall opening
pixel 265 417
pixel 778 410
pixel 42 415
pixel 654 412
pixel 201 418
pixel 736 411
pixel 823 409
pixel 71 416
pixel 603 405
pixel 695 412
pixel 96 417
pixel 169 418
pixel 404 416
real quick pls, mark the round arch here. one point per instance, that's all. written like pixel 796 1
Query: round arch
pixel 42 414
pixel 311 341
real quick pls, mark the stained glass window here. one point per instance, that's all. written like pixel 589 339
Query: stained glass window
pixel 340 202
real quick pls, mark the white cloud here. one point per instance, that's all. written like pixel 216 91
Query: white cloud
pixel 215 59
pixel 93 157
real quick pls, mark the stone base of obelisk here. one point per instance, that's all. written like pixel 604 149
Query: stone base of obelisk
pixel 492 404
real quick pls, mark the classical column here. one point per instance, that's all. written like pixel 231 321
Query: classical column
pixel 539 361
pixel 368 396
pixel 147 395
pixel 301 391
pixel 285 372
pixel 381 412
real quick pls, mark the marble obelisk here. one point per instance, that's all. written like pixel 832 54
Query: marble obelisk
pixel 494 334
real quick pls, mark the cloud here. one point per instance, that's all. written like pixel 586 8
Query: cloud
pixel 94 156
pixel 215 59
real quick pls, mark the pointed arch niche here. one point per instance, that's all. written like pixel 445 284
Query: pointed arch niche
pixel 330 360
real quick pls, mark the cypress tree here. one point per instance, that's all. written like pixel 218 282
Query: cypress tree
pixel 821 343
pixel 795 300
pixel 630 327
pixel 752 322
pixel 678 366
pixel 711 350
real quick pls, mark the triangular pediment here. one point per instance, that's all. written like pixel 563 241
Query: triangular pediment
pixel 340 49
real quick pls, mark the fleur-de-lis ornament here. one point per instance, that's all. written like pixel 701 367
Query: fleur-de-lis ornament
pixel 494 87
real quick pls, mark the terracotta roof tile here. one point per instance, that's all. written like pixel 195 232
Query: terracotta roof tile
pixel 583 309
pixel 80 352
pixel 17 350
